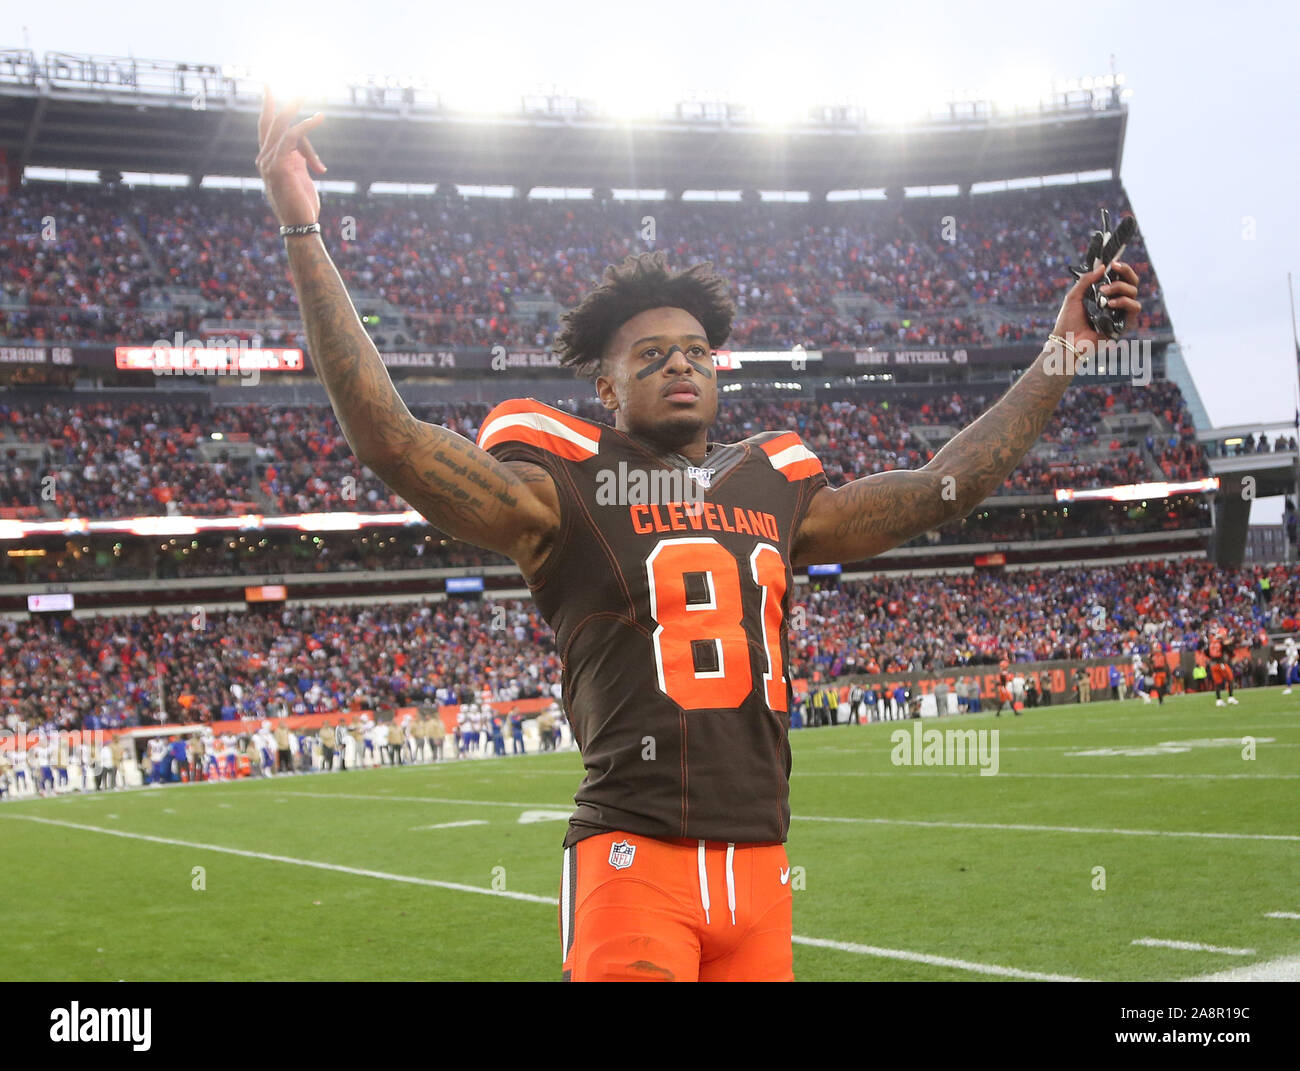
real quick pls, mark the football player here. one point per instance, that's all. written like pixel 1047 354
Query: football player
pixel 1291 664
pixel 1004 688
pixel 672 609
pixel 1220 669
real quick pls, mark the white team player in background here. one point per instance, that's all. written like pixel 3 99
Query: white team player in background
pixel 41 761
pixel 85 762
pixel 475 727
pixel 157 752
pixel 226 766
pixel 368 742
pixel 1290 658
pixel 107 773
pixel 1141 681
pixel 264 741
pixel 213 770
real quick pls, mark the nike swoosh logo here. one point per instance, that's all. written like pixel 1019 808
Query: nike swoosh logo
pixel 785 875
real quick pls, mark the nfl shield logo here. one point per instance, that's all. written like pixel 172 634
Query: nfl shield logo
pixel 620 854
pixel 701 476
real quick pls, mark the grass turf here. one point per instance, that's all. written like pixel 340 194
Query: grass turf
pixel 102 907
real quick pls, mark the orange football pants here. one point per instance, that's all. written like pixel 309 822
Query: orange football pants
pixel 647 909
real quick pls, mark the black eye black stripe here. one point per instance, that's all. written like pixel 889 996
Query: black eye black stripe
pixel 651 369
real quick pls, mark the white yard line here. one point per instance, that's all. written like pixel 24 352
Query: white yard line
pixel 529 817
pixel 1283 915
pixel 1017 827
pixel 1286 969
pixel 812 942
pixel 935 961
pixel 420 799
pixel 1022 827
pixel 912 822
pixel 453 825
pixel 1191 946
pixel 356 871
pixel 1201 748
pixel 912 772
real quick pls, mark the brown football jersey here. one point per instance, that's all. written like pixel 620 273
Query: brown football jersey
pixel 668 589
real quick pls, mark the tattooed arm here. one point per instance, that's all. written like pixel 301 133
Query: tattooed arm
pixel 869 516
pixel 511 508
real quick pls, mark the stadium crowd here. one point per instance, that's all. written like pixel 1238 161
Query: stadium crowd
pixel 899 623
pixel 112 671
pixel 119 459
pixel 116 670
pixel 85 264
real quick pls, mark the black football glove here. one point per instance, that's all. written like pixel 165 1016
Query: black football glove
pixel 1104 247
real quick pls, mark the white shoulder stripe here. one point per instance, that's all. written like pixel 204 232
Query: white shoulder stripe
pixel 538 422
pixel 791 454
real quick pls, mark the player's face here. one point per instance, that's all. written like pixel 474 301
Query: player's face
pixel 659 378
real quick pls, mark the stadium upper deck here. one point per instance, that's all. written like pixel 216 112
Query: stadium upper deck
pixel 74 457
pixel 946 294
pixel 80 264
pixel 196 119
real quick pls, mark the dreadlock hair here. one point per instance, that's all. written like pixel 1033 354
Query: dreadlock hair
pixel 641 282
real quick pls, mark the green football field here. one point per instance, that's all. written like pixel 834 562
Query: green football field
pixel 1120 841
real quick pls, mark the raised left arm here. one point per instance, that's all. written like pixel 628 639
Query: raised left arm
pixel 869 516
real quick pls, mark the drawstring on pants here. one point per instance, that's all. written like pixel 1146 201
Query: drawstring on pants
pixel 731 882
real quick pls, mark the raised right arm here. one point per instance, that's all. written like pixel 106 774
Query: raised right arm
pixel 509 507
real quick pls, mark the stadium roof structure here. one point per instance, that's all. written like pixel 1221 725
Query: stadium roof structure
pixel 110 113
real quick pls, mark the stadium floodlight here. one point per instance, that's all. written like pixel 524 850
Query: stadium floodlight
pixel 301 73
pixel 161 526
pixel 1134 491
pixel 1020 89
pixel 183 524
pixel 484 98
pixel 628 102
pixel 896 109
pixel 329 522
pixel 61 174
pixel 779 110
